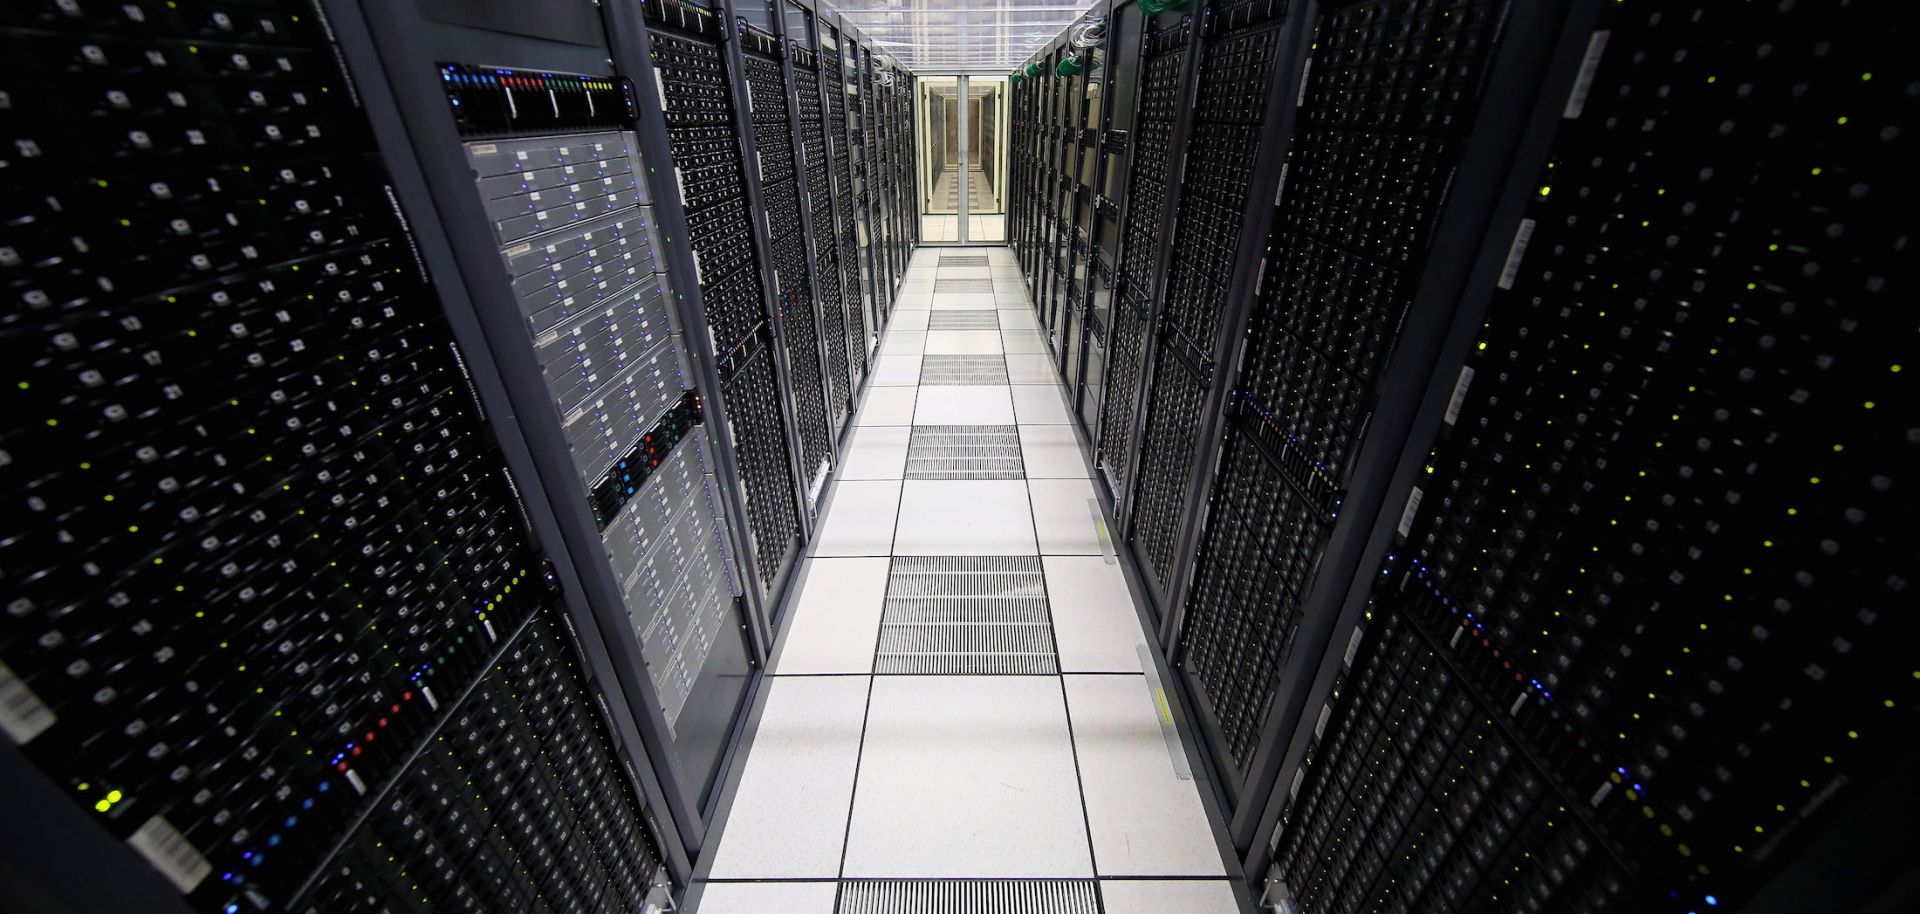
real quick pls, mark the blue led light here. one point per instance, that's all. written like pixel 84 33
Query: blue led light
pixel 1712 902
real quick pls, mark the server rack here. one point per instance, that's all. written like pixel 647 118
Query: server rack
pixel 1664 727
pixel 768 66
pixel 1373 545
pixel 835 56
pixel 814 173
pixel 283 632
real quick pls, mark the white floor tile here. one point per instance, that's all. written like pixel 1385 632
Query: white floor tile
pixel 876 452
pixel 1155 896
pixel 887 406
pixel 905 342
pixel 1023 341
pixel 914 300
pixel 909 319
pixel 789 815
pixel 1031 368
pixel 860 519
pixel 1094 622
pixel 1018 319
pixel 1051 451
pixel 1062 517
pixel 1040 404
pixel 963 342
pixel 988 405
pixel 963 301
pixel 967 776
pixel 761 897
pixel 949 271
pixel 897 370
pixel 1145 820
pixel 836 618
pixel 964 517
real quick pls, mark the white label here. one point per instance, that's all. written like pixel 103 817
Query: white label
pixel 432 702
pixel 660 83
pixel 23 715
pixel 1459 397
pixel 1299 777
pixel 1353 646
pixel 1583 83
pixel 519 249
pixel 488 625
pixel 170 853
pixel 1606 787
pixel 1517 703
pixel 749 98
pixel 759 167
pixel 1458 630
pixel 1282 187
pixel 485 149
pixel 1320 726
pixel 1306 70
pixel 696 270
pixel 353 778
pixel 1260 278
pixel 1521 236
pixel 1412 508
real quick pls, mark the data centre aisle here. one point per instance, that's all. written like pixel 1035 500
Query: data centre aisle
pixel 957 717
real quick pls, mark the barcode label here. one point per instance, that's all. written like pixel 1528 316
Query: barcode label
pixel 660 83
pixel 1412 508
pixel 1521 236
pixel 696 270
pixel 1353 645
pixel 1583 83
pixel 680 183
pixel 1459 397
pixel 1517 703
pixel 170 853
pixel 485 149
pixel 1280 188
pixel 1320 726
pixel 22 714
pixel 1305 71
pixel 427 694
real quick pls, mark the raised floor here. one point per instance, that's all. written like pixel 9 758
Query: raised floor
pixel 958 717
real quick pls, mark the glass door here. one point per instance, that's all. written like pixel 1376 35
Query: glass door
pixel 962 123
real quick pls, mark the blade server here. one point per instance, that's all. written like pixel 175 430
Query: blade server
pixel 1459 409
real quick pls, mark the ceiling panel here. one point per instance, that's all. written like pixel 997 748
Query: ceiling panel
pixel 932 36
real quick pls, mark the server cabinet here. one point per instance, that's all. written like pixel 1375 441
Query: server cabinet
pixel 1151 183
pixel 835 56
pixel 817 142
pixel 768 63
pixel 283 630
pixel 1658 441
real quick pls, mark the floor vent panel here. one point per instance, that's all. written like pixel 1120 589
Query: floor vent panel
pixel 965 452
pixel 962 370
pixel 942 284
pixel 963 320
pixel 966 615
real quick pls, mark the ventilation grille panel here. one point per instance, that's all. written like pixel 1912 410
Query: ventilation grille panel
pixel 965 452
pixel 963 320
pixel 962 370
pixel 968 896
pixel 944 284
pixel 966 615
pixel 963 260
